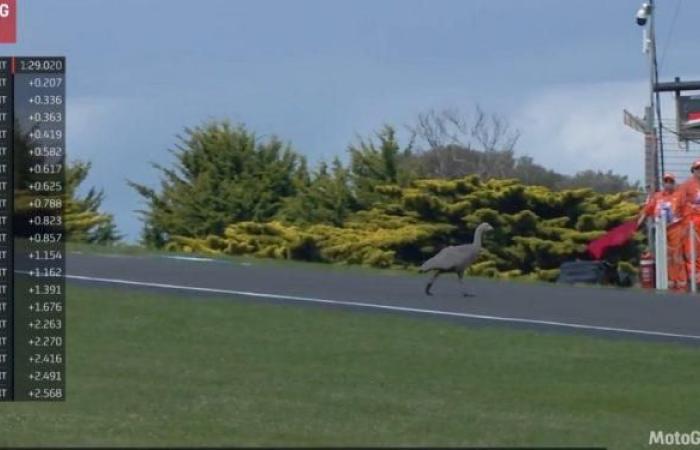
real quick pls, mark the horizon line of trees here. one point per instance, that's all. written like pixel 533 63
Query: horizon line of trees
pixel 224 173
pixel 392 204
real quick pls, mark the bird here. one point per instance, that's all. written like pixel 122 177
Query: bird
pixel 455 258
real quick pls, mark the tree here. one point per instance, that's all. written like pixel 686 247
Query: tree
pixel 221 174
pixel 373 165
pixel 529 172
pixel 454 162
pixel 84 220
pixel 325 199
pixel 604 182
pixel 451 144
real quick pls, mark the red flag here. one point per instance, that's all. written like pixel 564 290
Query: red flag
pixel 613 238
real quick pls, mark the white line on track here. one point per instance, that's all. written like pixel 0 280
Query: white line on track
pixel 189 258
pixel 387 307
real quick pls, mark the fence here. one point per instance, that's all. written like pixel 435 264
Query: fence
pixel 678 154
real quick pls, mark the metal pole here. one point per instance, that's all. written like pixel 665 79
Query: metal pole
pixel 655 75
pixel 650 45
pixel 693 274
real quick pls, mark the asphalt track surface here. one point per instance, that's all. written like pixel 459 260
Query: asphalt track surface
pixel 624 313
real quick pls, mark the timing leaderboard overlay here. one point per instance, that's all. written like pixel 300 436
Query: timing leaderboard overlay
pixel 32 244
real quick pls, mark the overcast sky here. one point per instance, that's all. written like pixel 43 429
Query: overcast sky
pixel 320 72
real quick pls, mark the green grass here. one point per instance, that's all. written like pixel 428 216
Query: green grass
pixel 157 370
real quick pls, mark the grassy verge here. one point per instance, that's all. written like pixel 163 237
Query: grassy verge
pixel 157 370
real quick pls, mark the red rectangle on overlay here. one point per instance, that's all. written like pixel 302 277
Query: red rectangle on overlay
pixel 694 116
pixel 8 21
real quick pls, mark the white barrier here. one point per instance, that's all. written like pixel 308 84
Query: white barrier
pixel 693 274
pixel 661 253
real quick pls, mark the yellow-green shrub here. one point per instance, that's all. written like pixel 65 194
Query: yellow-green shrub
pixel 535 229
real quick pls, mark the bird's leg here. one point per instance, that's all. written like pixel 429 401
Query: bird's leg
pixel 460 275
pixel 430 283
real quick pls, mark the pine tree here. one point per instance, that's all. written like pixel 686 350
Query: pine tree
pixel 325 199
pixel 377 165
pixel 221 174
pixel 84 220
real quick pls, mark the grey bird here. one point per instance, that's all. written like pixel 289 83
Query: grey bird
pixel 455 258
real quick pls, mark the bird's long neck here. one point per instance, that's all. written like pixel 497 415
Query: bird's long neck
pixel 477 237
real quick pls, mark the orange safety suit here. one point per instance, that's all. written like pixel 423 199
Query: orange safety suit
pixel 670 206
pixel 689 197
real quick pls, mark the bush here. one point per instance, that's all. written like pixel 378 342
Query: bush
pixel 536 229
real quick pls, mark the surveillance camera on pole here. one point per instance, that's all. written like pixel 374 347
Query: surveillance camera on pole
pixel 653 148
pixel 643 17
pixel 643 14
